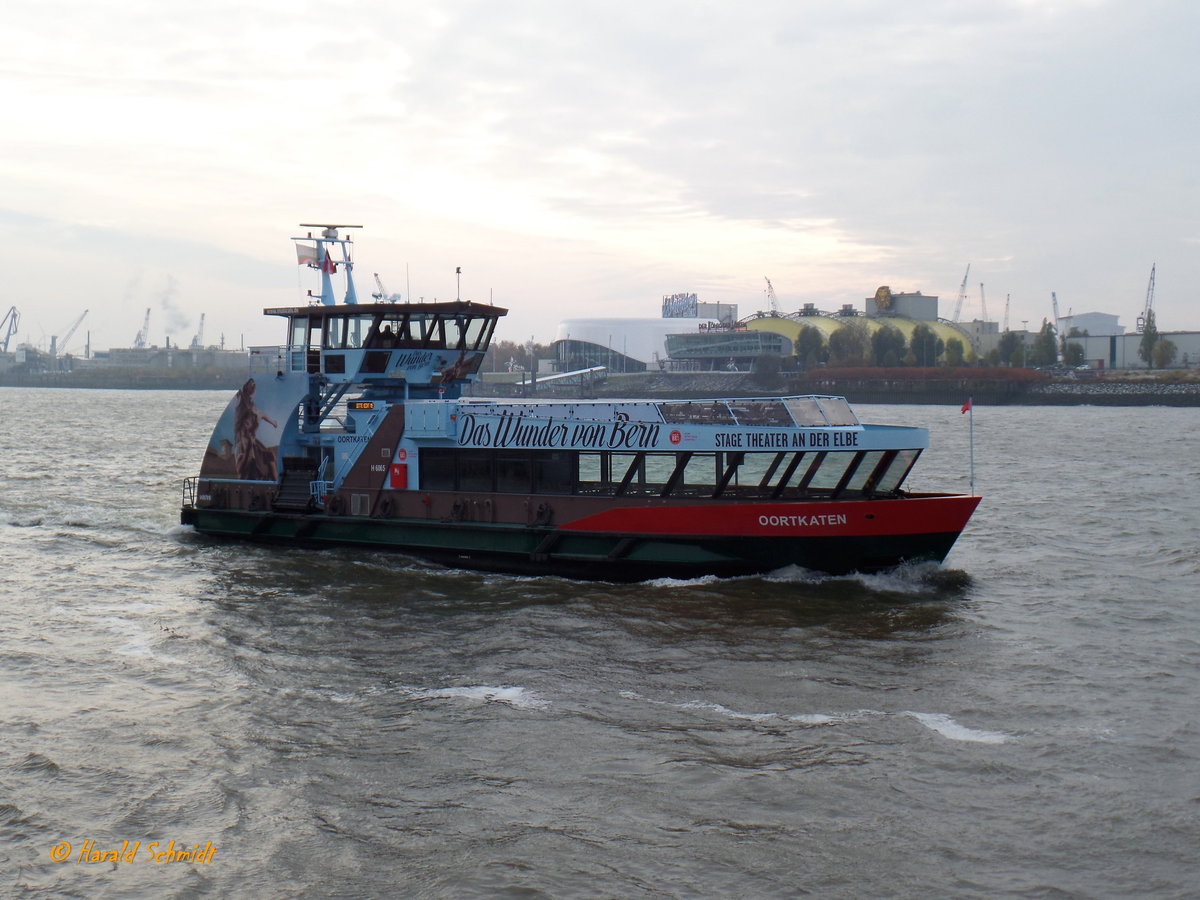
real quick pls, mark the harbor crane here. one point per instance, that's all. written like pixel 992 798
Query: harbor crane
pixel 1057 327
pixel 198 340
pixel 8 327
pixel 1145 316
pixel 771 298
pixel 56 347
pixel 382 295
pixel 962 294
pixel 142 336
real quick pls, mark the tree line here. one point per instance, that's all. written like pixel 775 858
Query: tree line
pixel 853 344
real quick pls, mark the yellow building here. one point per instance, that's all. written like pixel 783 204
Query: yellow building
pixel 790 327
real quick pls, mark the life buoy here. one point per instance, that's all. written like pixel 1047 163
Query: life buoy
pixel 385 507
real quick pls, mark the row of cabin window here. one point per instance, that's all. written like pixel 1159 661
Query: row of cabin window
pixel 354 332
pixel 736 474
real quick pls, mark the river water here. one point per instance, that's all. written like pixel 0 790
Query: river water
pixel 1020 722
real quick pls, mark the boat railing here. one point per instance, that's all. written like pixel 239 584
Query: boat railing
pixel 320 491
pixel 267 359
pixel 189 492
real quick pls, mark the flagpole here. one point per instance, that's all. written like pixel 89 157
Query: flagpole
pixel 971 438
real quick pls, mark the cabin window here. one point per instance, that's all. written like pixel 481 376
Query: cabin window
pixel 629 474
pixel 805 412
pixel 335 332
pixel 866 468
pixel 514 475
pixel 838 411
pixel 434 332
pixel 690 412
pixel 475 470
pixel 418 327
pixel 375 362
pixel 305 344
pixel 344 331
pixel 896 472
pixel 761 412
pixel 553 471
pixel 437 470
pixel 299 338
pixel 456 332
pixel 479 333
pixel 755 469
pixel 696 474
pixel 830 472
pixel 593 474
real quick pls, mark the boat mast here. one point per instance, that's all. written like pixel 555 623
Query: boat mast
pixel 327 263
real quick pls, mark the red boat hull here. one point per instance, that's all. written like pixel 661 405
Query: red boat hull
pixel 639 542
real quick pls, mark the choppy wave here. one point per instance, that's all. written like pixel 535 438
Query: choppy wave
pixel 519 697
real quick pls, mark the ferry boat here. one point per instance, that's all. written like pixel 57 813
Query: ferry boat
pixel 357 432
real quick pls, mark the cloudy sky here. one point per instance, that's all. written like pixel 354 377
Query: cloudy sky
pixel 585 158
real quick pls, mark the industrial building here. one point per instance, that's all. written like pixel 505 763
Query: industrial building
pixel 1121 351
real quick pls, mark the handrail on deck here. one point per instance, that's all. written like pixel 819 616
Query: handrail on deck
pixel 189 492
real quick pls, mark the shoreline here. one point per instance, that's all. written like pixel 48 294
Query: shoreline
pixel 892 388
pixel 1031 389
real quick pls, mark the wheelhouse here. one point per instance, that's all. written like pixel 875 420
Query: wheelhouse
pixel 345 342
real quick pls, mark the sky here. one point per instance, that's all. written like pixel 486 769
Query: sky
pixel 587 158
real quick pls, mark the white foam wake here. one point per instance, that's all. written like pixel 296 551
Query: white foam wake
pixel 726 711
pixel 940 723
pixel 947 727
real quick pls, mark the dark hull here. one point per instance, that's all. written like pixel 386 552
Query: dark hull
pixel 573 551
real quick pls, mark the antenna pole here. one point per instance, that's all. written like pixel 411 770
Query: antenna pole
pixel 971 440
